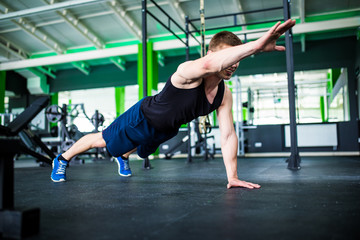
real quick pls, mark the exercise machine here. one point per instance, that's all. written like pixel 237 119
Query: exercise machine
pixel 17 223
pixel 68 132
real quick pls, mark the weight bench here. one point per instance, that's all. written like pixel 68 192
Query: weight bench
pixel 17 223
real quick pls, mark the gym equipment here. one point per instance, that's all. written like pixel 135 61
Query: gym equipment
pixel 68 132
pixel 200 144
pixel 97 119
pixel 29 140
pixel 54 113
pixel 204 125
pixel 67 144
pixel 16 223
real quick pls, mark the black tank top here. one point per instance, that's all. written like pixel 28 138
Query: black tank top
pixel 172 107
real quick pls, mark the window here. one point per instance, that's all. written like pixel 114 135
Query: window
pixel 321 96
pixel 102 99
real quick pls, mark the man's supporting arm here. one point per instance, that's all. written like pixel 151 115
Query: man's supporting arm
pixel 229 143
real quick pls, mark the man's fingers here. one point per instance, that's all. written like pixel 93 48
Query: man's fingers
pixel 274 28
pixel 243 184
pixel 279 48
pixel 285 26
pixel 248 185
pixel 255 185
pixel 252 185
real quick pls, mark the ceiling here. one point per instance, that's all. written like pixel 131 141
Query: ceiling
pixel 51 35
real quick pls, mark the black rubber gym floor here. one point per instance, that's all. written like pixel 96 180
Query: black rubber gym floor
pixel 175 200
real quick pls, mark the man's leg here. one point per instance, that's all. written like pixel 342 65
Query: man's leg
pixel 124 165
pixel 85 143
pixel 126 155
pixel 89 141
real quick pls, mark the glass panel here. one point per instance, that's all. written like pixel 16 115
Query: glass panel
pixel 101 99
pixel 321 96
pixel 336 112
pixel 131 96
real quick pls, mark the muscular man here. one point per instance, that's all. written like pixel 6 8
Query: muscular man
pixel 195 89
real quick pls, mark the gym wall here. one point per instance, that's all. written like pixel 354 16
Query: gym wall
pixel 319 54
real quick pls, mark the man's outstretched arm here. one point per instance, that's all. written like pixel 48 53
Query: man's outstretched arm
pixel 229 143
pixel 191 71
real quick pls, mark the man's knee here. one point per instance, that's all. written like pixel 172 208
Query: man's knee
pixel 98 140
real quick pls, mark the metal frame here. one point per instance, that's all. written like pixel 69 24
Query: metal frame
pixel 294 160
pixel 234 15
pixel 85 31
pixel 52 7
pixel 122 14
pixel 44 38
pixel 167 27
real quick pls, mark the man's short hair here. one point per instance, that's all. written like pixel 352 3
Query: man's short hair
pixel 223 37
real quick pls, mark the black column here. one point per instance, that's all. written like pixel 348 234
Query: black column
pixel 189 159
pixel 294 160
pixel 144 45
pixel 146 162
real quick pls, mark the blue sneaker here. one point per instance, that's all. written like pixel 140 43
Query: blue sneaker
pixel 58 173
pixel 123 167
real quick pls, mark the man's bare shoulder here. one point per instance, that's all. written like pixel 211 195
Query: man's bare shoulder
pixel 180 80
pixel 227 99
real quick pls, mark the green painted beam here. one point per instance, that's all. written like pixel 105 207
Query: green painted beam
pixel 139 71
pixel 161 59
pixel 332 16
pixel 120 100
pixel 46 70
pixel 82 66
pixel 2 91
pixel 323 110
pixel 54 100
pixel 214 117
pixel 334 75
pixel 152 70
pixel 119 62
pixel 122 44
pixel 244 112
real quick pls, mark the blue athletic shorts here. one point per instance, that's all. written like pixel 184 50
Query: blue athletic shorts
pixel 131 130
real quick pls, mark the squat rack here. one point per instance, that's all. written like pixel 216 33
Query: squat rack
pixel 294 159
pixel 144 51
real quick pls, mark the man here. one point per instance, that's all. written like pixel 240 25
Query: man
pixel 196 88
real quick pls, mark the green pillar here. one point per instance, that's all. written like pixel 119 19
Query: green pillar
pixel 323 110
pixel 119 100
pixel 231 88
pixel 2 91
pixel 214 118
pixel 140 74
pixel 244 112
pixel 54 100
pixel 152 70
pixel 333 76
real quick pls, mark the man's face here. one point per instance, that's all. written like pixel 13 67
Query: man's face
pixel 227 73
